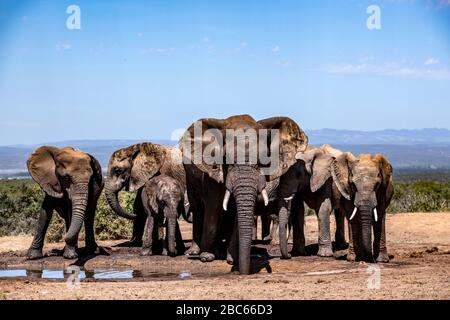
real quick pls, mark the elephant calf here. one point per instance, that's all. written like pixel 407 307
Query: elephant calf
pixel 163 200
pixel 309 180
pixel 366 185
pixel 72 181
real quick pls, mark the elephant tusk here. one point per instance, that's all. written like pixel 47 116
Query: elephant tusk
pixel 354 213
pixel 226 198
pixel 289 199
pixel 375 213
pixel 265 197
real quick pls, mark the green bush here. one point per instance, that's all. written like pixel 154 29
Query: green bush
pixel 423 196
pixel 20 203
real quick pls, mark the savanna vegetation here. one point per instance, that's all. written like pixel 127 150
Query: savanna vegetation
pixel 20 201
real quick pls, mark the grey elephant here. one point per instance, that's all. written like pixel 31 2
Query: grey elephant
pixel 130 168
pixel 310 181
pixel 366 185
pixel 163 200
pixel 225 182
pixel 72 181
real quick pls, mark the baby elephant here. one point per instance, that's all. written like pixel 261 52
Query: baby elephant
pixel 72 181
pixel 163 200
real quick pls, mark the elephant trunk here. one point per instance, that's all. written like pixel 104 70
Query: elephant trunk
pixel 79 196
pixel 245 195
pixel 112 196
pixel 283 224
pixel 366 229
pixel 171 226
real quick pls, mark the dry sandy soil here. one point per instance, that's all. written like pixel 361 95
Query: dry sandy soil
pixel 419 269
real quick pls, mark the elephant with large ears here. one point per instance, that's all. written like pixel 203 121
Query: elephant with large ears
pixel 226 182
pixel 163 200
pixel 130 168
pixel 72 181
pixel 309 181
pixel 365 183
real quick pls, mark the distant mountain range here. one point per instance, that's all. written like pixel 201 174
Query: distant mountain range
pixel 424 148
pixel 382 137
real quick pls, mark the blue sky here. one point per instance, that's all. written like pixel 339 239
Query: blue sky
pixel 141 69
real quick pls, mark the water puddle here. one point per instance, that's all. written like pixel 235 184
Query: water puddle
pixel 100 274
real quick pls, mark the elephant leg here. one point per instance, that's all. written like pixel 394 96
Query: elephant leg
pixel 139 222
pixel 179 240
pixel 197 226
pixel 325 248
pixel 255 229
pixel 233 247
pixel 45 216
pixel 298 224
pixel 339 236
pixel 379 245
pixel 89 218
pixel 274 236
pixel 211 223
pixel 351 256
pixel 148 237
pixel 265 227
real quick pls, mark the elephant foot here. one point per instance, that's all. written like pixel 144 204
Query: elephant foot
pixel 275 241
pixel 286 257
pixel 194 250
pixel 383 258
pixel 34 254
pixel 70 252
pixel 341 245
pixel 91 248
pixel 207 257
pixel 297 252
pixel 230 259
pixel 135 243
pixel 172 254
pixel 146 252
pixel 325 251
pixel 351 257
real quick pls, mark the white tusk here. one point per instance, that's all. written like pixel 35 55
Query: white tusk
pixel 289 199
pixel 375 213
pixel 354 213
pixel 265 197
pixel 226 198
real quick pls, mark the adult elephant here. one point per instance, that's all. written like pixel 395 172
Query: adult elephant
pixel 220 165
pixel 309 181
pixel 366 184
pixel 72 181
pixel 130 168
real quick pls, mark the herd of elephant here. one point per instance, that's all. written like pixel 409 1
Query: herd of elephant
pixel 221 199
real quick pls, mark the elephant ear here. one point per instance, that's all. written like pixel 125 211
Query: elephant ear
pixel 42 168
pixel 292 140
pixel 194 142
pixel 146 164
pixel 386 172
pixel 97 170
pixel 340 171
pixel 318 165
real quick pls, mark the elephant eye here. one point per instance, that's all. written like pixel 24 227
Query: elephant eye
pixel 119 171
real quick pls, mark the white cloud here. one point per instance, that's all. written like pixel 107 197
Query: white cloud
pixel 276 49
pixel 284 63
pixel 63 46
pixel 392 69
pixel 431 61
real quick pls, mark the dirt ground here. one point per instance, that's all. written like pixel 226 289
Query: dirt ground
pixel 419 244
